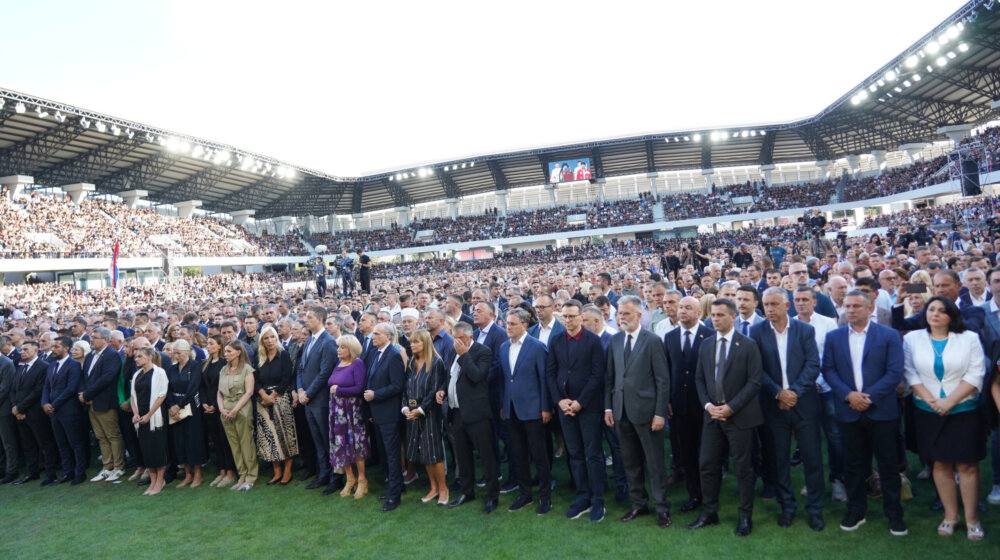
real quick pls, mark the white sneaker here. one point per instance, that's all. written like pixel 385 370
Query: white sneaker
pixel 838 492
pixel 994 497
pixel 100 476
pixel 114 475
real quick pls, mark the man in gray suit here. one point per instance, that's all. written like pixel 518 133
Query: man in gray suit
pixel 637 390
pixel 728 378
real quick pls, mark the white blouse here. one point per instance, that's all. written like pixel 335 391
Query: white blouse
pixel 159 384
pixel 963 359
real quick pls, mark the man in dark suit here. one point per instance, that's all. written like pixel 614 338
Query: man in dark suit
pixel 32 424
pixel 386 381
pixel 636 398
pixel 62 383
pixel 8 349
pixel 316 361
pixel 863 364
pixel 99 392
pixel 575 369
pixel 728 380
pixel 870 287
pixel 685 411
pixel 791 402
pixel 947 284
pixel 526 408
pixel 8 424
pixel 467 404
pixel 491 335
pixel 604 284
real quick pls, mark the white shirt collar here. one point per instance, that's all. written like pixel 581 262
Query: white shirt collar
pixel 519 340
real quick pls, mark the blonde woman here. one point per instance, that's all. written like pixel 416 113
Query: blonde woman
pixel 424 425
pixel 236 383
pixel 348 430
pixel 706 305
pixel 276 438
pixel 915 303
pixel 149 390
pixel 184 406
pixel 80 350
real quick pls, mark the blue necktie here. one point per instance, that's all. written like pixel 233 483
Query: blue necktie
pixel 309 344
pixel 745 330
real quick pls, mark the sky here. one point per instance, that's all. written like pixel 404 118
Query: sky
pixel 352 88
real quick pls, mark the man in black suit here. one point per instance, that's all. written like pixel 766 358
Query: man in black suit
pixel 386 381
pixel 99 392
pixel 791 402
pixel 32 424
pixel 8 424
pixel 8 349
pixel 492 335
pixel 62 382
pixel 636 398
pixel 728 379
pixel 685 411
pixel 947 284
pixel 467 404
pixel 575 368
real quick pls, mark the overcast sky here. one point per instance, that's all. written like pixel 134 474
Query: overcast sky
pixel 349 88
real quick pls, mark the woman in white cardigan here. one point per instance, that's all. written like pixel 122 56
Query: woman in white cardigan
pixel 945 366
pixel 149 389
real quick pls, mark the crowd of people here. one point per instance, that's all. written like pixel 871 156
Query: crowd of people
pixel 649 364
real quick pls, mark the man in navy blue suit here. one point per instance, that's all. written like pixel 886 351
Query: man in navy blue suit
pixel 62 383
pixel 791 403
pixel 685 412
pixel 547 327
pixel 863 364
pixel 385 383
pixel 575 369
pixel 99 392
pixel 316 361
pixel 526 408
pixel 490 334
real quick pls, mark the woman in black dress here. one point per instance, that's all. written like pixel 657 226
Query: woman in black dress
pixel 149 390
pixel 424 426
pixel 275 421
pixel 184 406
pixel 212 424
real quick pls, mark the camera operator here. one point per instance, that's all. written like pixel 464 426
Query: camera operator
pixel 817 221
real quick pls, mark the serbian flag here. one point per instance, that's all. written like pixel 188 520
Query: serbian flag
pixel 113 269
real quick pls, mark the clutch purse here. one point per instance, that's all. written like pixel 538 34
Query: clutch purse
pixel 185 412
pixel 412 403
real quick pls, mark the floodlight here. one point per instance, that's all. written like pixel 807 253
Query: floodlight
pixel 941 61
pixel 932 47
pixel 697 137
pixel 890 76
pixel 101 127
pixel 20 108
pixel 962 47
pixel 42 113
pixel 952 32
pixel 912 61
pixel 60 117
pixel 916 77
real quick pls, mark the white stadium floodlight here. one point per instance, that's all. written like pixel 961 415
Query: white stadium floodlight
pixel 697 137
pixel 101 127
pixel 198 151
pixel 962 47
pixel 953 32
pixel 912 61
pixel 932 47
pixel 890 76
pixel 42 113
pixel 951 54
pixel 941 61
pixel 916 77
pixel 221 157
pixel 61 118
pixel 20 108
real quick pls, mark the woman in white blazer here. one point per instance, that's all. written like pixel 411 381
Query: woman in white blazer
pixel 944 366
pixel 149 389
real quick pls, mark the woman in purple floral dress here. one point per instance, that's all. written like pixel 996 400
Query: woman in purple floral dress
pixel 348 434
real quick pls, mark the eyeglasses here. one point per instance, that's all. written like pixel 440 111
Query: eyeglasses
pixel 567 317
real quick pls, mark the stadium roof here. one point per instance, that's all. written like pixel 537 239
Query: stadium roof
pixel 949 77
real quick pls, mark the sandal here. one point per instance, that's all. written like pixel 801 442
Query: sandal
pixel 947 527
pixel 975 531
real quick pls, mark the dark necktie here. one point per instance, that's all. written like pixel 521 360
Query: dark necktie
pixel 628 348
pixel 309 344
pixel 720 368
pixel 687 342
pixel 745 329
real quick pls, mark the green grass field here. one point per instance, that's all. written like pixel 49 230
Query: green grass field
pixel 100 520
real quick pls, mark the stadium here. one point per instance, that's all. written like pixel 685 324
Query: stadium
pixel 104 219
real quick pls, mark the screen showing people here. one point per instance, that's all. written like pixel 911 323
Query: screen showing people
pixel 569 170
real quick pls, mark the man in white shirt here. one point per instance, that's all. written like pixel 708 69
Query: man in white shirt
pixel 888 281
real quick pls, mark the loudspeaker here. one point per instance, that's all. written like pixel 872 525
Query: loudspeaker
pixel 970 178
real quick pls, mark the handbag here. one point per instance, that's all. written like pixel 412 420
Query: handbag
pixel 184 413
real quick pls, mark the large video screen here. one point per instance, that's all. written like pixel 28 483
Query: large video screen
pixel 569 170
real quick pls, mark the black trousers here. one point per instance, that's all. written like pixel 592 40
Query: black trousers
pixel 72 446
pixel 390 445
pixel 307 449
pixel 366 280
pixel 687 428
pixel 715 436
pixel 806 430
pixel 321 287
pixel 862 439
pixel 9 437
pixel 36 437
pixel 130 437
pixel 476 436
pixel 528 440
pixel 642 453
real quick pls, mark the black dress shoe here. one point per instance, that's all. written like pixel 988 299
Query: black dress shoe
pixel 144 481
pixel 461 499
pixel 316 483
pixel 768 492
pixel 663 520
pixel 490 506
pixel 67 478
pixel 705 521
pixel 306 476
pixel 691 505
pixel 79 480
pixel 520 502
pixel 544 505
pixel 50 481
pixel 26 479
pixel 330 489
pixel 8 479
pixel 816 522
pixel 743 528
pixel 785 519
pixel 633 513
pixel 389 506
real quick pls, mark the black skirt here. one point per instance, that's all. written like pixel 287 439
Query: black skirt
pixel 187 439
pixel 153 444
pixel 955 438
